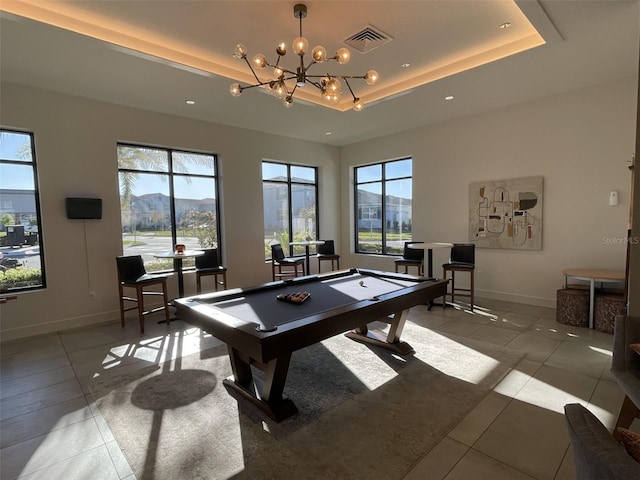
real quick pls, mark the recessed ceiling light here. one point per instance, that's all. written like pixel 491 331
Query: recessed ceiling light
pixel 328 133
pixel 505 25
pixel 405 65
pixel 190 102
pixel 449 97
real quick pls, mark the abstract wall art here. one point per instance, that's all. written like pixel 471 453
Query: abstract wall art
pixel 506 213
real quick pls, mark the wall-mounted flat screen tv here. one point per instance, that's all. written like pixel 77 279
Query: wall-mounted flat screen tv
pixel 83 208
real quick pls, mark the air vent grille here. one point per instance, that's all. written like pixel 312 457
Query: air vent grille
pixel 367 39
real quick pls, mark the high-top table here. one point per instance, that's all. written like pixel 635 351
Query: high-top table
pixel 177 264
pixel 429 248
pixel 306 244
pixel 593 275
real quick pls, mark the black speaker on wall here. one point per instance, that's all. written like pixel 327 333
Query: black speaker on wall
pixel 83 208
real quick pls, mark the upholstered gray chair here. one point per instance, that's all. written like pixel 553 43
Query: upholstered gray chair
pixel 596 454
pixel 625 367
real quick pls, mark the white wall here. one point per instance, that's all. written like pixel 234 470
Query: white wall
pixel 580 142
pixel 75 143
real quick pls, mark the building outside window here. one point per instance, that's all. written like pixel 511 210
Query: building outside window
pixel 290 199
pixel 383 196
pixel 21 250
pixel 167 197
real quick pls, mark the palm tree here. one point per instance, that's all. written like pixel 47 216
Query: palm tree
pixel 137 158
pixel 133 159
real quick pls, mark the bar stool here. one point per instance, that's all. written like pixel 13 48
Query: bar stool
pixel 411 257
pixel 279 260
pixel 132 274
pixel 209 264
pixel 326 252
pixel 462 259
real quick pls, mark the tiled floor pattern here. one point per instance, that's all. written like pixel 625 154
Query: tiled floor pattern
pixel 50 428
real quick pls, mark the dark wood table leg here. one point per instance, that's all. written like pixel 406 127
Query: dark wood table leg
pixel 268 396
pixel 241 369
pixel 392 339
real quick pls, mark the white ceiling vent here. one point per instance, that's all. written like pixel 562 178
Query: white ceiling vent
pixel 367 39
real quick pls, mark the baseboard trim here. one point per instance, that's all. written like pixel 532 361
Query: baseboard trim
pixel 59 325
pixel 517 298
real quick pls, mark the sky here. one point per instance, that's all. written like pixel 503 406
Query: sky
pixel 18 177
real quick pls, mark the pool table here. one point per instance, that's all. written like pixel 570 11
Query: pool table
pixel 263 332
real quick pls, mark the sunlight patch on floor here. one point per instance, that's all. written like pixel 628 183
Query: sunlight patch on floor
pixel 475 369
pixel 383 372
pixel 603 351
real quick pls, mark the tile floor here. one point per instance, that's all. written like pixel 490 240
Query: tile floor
pixel 50 428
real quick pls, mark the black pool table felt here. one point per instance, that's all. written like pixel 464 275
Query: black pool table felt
pixel 263 308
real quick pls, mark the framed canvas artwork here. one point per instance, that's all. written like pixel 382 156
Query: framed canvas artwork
pixel 506 213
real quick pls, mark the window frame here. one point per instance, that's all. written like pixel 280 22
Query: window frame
pixel 289 183
pixel 171 175
pixel 383 180
pixel 36 195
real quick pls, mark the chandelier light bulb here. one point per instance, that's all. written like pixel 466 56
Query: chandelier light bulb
pixel 288 101
pixel 319 54
pixel 281 49
pixel 240 51
pixel 235 89
pixel 300 46
pixel 343 55
pixel 371 77
pixel 357 104
pixel 333 86
pixel 259 61
pixel 331 97
pixel 334 98
pixel 277 72
pixel 279 89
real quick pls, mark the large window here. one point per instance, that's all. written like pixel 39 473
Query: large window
pixel 383 207
pixel 290 199
pixel 167 197
pixel 21 254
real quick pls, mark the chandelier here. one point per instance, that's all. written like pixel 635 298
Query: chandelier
pixel 330 86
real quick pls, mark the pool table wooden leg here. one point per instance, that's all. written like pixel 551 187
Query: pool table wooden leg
pixel 391 341
pixel 275 376
pixel 397 326
pixel 241 369
pixel 268 395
